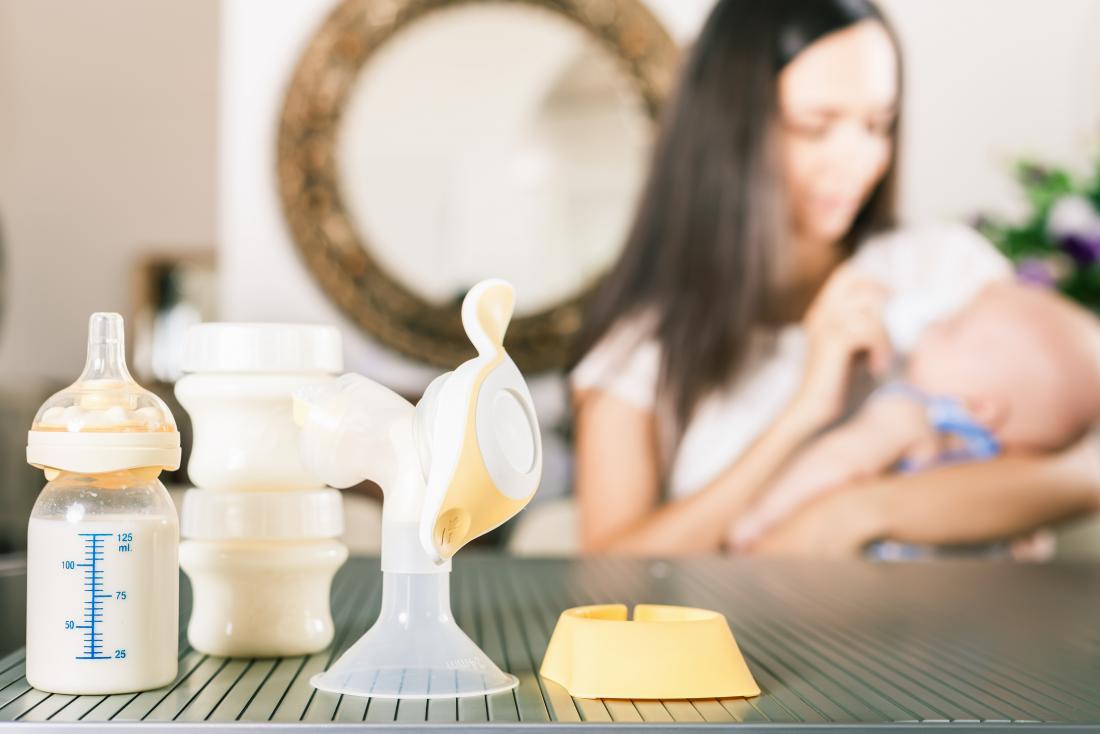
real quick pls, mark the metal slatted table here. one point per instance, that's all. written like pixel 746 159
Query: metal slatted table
pixel 958 645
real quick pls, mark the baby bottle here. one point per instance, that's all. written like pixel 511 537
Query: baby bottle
pixel 102 573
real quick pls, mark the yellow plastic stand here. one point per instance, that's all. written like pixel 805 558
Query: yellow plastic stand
pixel 664 652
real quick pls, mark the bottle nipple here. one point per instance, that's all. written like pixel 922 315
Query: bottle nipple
pixel 105 397
pixel 106 350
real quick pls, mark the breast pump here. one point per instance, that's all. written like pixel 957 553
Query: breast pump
pixel 461 462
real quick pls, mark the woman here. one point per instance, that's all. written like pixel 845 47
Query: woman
pixel 732 327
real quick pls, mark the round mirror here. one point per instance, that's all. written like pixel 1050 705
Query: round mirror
pixel 428 145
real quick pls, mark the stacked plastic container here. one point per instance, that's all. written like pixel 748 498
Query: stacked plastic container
pixel 260 533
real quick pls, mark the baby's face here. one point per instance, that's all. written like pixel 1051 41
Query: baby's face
pixel 952 358
pixel 1012 360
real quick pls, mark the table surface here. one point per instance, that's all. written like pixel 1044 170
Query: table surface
pixel 954 645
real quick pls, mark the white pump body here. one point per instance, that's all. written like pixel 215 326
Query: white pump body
pixel 356 430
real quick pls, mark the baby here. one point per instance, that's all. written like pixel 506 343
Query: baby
pixel 1017 369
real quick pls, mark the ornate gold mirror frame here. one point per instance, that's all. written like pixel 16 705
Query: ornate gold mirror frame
pixel 324 233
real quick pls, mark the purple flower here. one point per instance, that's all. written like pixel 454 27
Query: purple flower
pixel 1036 271
pixel 1083 248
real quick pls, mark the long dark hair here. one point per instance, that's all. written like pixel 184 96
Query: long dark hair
pixel 703 249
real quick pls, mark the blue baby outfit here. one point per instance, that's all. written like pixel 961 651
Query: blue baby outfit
pixel 947 417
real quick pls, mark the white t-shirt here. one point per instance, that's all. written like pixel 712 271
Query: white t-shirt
pixel 931 272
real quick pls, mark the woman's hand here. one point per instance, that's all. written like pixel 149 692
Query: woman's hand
pixel 843 323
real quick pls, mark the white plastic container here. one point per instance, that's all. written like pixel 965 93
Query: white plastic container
pixel 260 532
pixel 237 391
pixel 261 566
pixel 102 575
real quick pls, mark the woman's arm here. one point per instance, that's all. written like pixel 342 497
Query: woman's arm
pixel 618 472
pixel 1008 496
pixel 965 503
pixel 618 482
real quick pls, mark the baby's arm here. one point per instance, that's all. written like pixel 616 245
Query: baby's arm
pixel 884 431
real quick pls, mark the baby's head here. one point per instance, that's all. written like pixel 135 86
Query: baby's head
pixel 1023 361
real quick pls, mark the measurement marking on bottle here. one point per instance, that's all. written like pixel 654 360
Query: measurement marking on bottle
pixel 93 585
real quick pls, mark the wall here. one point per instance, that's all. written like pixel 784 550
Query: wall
pixel 107 147
pixel 989 81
